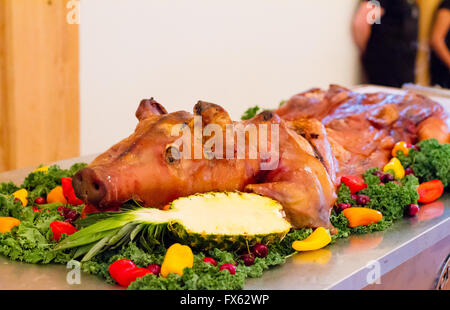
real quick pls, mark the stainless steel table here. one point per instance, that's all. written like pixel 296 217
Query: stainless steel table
pixel 408 255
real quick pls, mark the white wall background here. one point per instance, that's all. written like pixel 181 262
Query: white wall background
pixel 237 53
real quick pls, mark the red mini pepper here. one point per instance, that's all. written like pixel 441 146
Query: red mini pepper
pixel 430 191
pixel 69 192
pixel 59 228
pixel 354 183
pixel 124 271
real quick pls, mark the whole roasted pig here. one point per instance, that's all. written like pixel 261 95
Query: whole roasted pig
pixel 319 135
pixel 152 167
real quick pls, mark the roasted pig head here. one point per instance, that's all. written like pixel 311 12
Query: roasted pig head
pixel 288 161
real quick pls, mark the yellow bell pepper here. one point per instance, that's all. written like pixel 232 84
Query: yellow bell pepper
pixel 43 169
pixel 22 195
pixel 7 223
pixel 317 240
pixel 177 258
pixel 56 195
pixel 395 165
pixel 400 146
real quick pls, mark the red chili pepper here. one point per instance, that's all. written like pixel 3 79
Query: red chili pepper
pixel 430 191
pixel 124 271
pixel 69 192
pixel 59 228
pixel 354 183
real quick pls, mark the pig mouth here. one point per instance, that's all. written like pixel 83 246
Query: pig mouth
pixel 89 187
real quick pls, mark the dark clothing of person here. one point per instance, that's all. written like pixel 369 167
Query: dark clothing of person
pixel 390 56
pixel 440 73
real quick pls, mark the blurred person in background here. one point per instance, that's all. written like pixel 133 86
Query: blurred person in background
pixel 388 46
pixel 440 43
pixel 395 49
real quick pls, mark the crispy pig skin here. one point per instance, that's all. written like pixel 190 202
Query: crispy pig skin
pixel 363 128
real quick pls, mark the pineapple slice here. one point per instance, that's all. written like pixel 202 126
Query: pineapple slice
pixel 230 220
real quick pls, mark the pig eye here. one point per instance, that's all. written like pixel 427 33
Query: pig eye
pixel 172 154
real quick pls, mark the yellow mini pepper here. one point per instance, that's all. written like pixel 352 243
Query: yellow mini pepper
pixel 22 195
pixel 177 258
pixel 395 165
pixel 400 146
pixel 7 223
pixel 317 240
pixel 56 195
pixel 43 169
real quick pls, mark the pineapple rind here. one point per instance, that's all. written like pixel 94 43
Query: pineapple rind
pixel 224 242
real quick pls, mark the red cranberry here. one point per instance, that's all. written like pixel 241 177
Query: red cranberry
pixel 210 260
pixel 378 173
pixel 362 200
pixel 154 268
pixel 412 209
pixel 387 177
pixel 230 267
pixel 409 171
pixel 248 259
pixel 72 214
pixel 353 196
pixel 60 208
pixel 260 250
pixel 381 183
pixel 342 206
pixel 40 201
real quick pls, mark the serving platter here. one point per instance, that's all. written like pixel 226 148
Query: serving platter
pixel 411 252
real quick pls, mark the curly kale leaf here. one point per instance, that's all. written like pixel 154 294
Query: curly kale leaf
pixel 250 112
pixel 40 183
pixel 391 198
pixel 202 275
pixel 431 162
pixel 8 188
pixel 30 242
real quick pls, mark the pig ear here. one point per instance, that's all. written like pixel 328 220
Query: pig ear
pixel 212 113
pixel 149 107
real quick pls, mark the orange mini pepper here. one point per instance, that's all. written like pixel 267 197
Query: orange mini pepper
pixel 400 146
pixel 56 195
pixel 7 223
pixel 362 216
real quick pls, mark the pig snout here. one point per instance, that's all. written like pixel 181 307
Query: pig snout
pixel 88 186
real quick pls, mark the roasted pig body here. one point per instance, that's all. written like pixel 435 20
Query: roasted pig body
pixel 294 154
pixel 363 128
